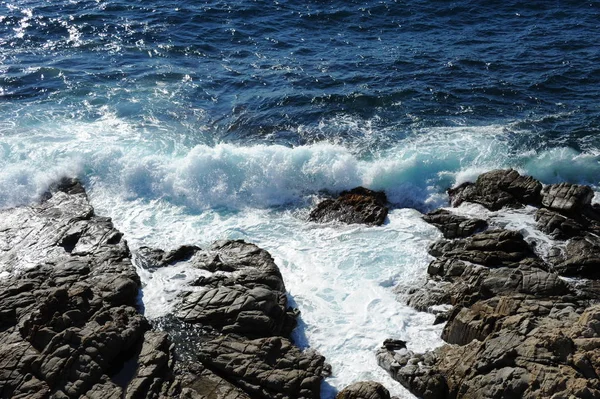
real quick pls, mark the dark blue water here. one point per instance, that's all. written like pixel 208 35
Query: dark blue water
pixel 269 71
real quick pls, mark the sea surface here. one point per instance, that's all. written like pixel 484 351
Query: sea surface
pixel 192 121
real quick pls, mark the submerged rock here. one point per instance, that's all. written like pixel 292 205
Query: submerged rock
pixel 359 205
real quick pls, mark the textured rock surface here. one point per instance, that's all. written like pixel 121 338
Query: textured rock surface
pixel 454 226
pixel 515 329
pixel 68 325
pixel 497 189
pixel 359 205
pixel 364 390
pixel 241 324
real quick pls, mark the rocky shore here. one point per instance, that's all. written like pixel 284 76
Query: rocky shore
pixel 70 324
pixel 519 322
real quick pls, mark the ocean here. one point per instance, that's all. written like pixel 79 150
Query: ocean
pixel 190 122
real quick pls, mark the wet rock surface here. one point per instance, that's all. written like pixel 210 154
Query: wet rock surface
pixel 515 328
pixel 70 328
pixel 69 323
pixel 241 324
pixel 497 189
pixel 454 226
pixel 359 205
pixel 364 390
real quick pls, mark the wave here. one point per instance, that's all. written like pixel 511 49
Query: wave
pixel 415 171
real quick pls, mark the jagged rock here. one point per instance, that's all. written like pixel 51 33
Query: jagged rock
pixel 269 367
pixel 246 295
pixel 364 390
pixel 491 248
pixel 454 226
pixel 417 372
pixel 359 205
pixel 556 225
pixel 69 325
pixel 497 189
pixel 516 329
pixel 567 197
pixel 240 322
pixel 581 258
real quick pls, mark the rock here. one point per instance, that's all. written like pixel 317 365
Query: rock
pixel 581 258
pixel 239 325
pixel 491 248
pixel 498 189
pixel 364 390
pixel 516 329
pixel 394 344
pixel 454 226
pixel 69 324
pixel 269 367
pixel 359 205
pixel 416 372
pixel 567 197
pixel 558 226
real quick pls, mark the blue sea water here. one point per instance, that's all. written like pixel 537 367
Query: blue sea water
pixel 193 121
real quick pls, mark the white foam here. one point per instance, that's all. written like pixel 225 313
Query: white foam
pixel 163 192
pixel 339 276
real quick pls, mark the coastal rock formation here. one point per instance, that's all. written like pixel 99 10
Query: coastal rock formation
pixel 515 328
pixel 359 205
pixel 454 226
pixel 497 189
pixel 70 327
pixel 364 390
pixel 245 321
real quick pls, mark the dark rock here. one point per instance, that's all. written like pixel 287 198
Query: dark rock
pixel 364 390
pixel 416 372
pixel 558 226
pixel 454 226
pixel 516 329
pixel 567 197
pixel 69 320
pixel 242 314
pixel 394 344
pixel 266 367
pixel 69 327
pixel 581 258
pixel 498 189
pixel 491 248
pixel 359 205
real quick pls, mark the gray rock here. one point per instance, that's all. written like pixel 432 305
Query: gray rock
pixel 237 326
pixel 69 323
pixel 359 205
pixel 266 367
pixel 454 226
pixel 567 197
pixel 497 189
pixel 364 390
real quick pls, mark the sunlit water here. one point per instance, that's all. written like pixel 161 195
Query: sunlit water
pixel 192 123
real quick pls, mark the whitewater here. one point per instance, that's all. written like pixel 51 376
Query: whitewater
pixel 190 123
